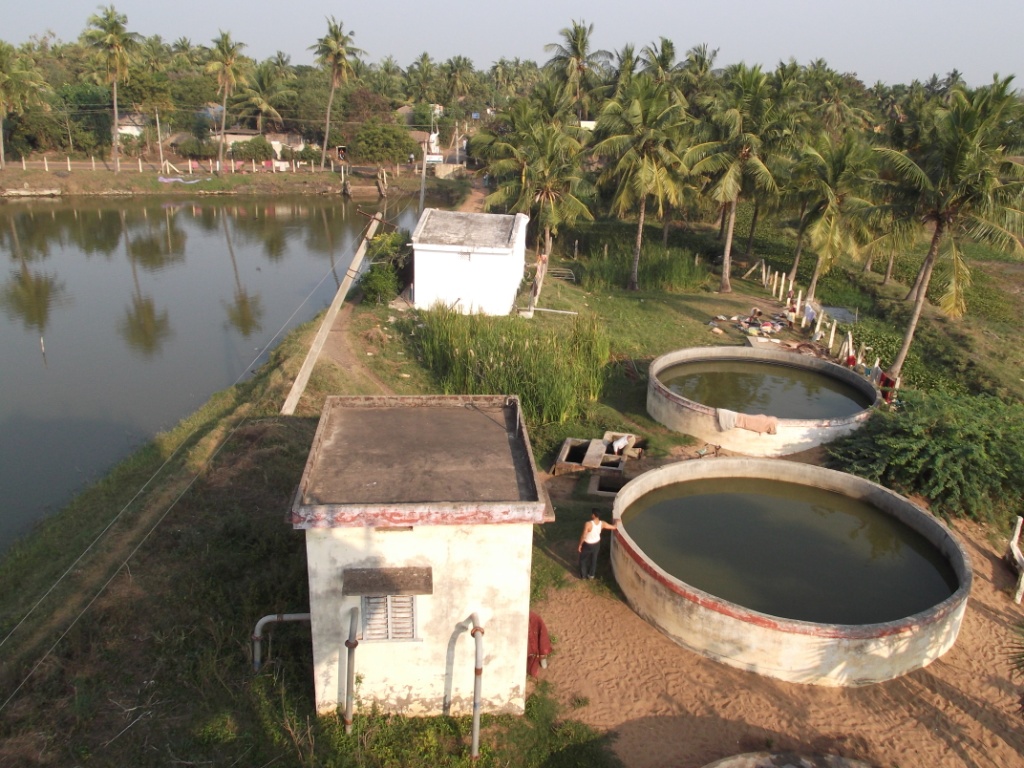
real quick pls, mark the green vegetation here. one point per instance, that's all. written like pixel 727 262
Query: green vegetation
pixel 963 454
pixel 555 375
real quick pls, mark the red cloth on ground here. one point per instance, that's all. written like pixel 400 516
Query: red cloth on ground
pixel 538 645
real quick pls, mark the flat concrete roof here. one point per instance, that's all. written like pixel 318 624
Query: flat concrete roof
pixel 469 230
pixel 431 460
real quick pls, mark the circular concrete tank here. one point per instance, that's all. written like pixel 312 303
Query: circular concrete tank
pixel 788 649
pixel 792 434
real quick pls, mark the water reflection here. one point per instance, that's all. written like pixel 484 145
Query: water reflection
pixel 143 309
pixel 29 295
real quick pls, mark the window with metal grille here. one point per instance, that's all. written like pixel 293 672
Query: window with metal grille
pixel 389 617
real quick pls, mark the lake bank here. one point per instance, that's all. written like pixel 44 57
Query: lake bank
pixel 16 184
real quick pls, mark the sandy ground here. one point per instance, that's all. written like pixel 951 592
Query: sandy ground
pixel 670 708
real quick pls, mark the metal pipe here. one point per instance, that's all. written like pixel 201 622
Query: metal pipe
pixel 257 634
pixel 478 634
pixel 350 684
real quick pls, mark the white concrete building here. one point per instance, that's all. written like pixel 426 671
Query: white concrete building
pixel 472 261
pixel 419 513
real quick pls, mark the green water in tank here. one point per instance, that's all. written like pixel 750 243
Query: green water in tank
pixel 790 550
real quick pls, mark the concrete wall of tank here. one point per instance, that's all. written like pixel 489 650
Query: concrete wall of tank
pixel 796 651
pixel 701 421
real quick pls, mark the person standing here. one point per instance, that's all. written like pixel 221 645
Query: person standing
pixel 590 544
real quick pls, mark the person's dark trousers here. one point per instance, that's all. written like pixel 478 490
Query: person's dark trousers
pixel 588 560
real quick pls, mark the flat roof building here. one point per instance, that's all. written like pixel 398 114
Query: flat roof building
pixel 418 513
pixel 471 261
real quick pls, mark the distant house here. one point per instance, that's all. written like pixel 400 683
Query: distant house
pixel 418 516
pixel 131 124
pixel 471 261
pixel 279 141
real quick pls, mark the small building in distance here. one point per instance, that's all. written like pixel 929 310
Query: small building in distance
pixel 473 262
pixel 419 514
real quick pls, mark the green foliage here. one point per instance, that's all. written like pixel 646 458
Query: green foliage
pixel 194 149
pixel 554 373
pixel 542 738
pixel 309 154
pixel 380 283
pixel 672 270
pixel 390 247
pixel 377 142
pixel 962 453
pixel 256 148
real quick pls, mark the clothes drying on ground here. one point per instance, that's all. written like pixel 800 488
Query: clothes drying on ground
pixel 757 422
pixel 726 419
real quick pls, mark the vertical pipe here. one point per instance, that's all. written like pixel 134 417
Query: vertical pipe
pixel 832 335
pixel 350 684
pixel 478 672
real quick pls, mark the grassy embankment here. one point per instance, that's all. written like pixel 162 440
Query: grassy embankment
pixel 81 180
pixel 156 669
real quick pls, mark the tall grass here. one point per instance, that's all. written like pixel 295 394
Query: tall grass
pixel 605 252
pixel 672 270
pixel 554 374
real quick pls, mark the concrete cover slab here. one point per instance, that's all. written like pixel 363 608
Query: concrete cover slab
pixel 419 460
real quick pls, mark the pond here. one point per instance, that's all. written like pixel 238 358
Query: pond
pixel 119 318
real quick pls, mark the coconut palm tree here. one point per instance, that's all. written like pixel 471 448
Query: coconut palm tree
pixel 116 47
pixel 231 69
pixel 575 66
pixel 731 153
pixel 627 63
pixel 659 61
pixel 964 182
pixel 334 52
pixel 837 177
pixel 642 133
pixel 21 85
pixel 421 79
pixel 537 160
pixel 458 73
pixel 261 94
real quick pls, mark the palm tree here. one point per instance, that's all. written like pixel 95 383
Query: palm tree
pixel 116 47
pixel 261 94
pixel 964 182
pixel 458 74
pixel 659 61
pixel 421 79
pixel 386 79
pixel 642 132
pixel 836 177
pixel 227 63
pixel 334 52
pixel 21 85
pixel 574 65
pixel 538 162
pixel 732 155
pixel 626 65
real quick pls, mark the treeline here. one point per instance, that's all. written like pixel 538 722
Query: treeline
pixel 858 173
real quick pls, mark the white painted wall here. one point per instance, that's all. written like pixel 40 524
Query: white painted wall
pixel 480 568
pixel 480 279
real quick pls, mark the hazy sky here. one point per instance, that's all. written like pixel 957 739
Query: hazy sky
pixel 894 41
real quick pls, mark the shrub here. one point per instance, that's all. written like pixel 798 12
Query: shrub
pixel 194 149
pixel 380 283
pixel 962 453
pixel 377 142
pixel 256 148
